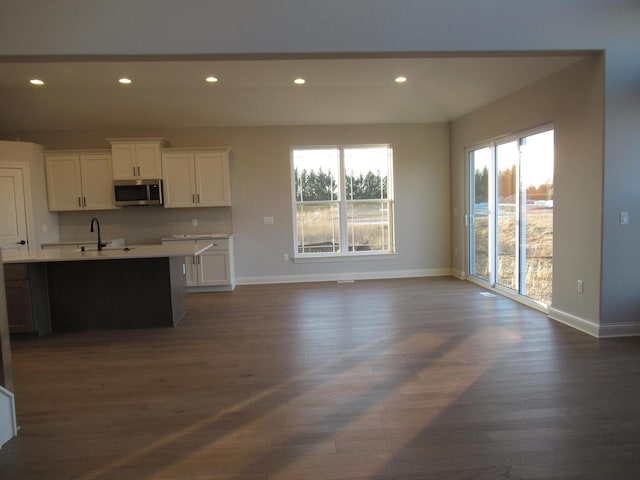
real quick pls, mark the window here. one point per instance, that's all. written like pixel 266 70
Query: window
pixel 511 214
pixel 343 197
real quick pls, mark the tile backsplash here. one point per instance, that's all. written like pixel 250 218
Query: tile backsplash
pixel 144 224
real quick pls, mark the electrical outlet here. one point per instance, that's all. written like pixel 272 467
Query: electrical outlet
pixel 285 257
pixel 580 286
pixel 194 222
pixel 267 220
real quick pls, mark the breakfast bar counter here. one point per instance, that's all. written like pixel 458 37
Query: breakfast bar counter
pixel 124 287
pixel 115 253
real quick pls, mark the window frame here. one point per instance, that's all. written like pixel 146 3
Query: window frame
pixel 343 204
pixel 520 292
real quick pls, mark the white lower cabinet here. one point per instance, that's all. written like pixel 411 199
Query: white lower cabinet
pixel 214 267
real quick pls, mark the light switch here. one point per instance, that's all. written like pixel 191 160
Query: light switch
pixel 624 218
pixel 267 220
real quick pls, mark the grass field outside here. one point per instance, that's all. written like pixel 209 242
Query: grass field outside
pixel 539 251
pixel 368 227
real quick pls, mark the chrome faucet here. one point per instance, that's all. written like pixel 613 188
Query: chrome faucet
pixel 95 220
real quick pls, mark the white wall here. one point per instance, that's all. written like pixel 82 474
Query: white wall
pixel 260 186
pixel 572 100
pixel 88 27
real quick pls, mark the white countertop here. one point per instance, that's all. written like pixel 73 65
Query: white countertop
pixel 111 243
pixel 197 236
pixel 177 249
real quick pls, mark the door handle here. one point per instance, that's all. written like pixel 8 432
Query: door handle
pixel 21 242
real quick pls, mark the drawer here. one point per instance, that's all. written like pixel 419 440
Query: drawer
pixel 218 243
pixel 17 271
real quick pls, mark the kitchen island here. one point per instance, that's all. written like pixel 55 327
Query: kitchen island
pixel 124 287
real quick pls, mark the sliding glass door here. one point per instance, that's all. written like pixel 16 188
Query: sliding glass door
pixel 507 210
pixel 536 180
pixel 481 169
pixel 511 215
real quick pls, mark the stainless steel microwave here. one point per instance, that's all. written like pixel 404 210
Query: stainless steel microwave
pixel 137 192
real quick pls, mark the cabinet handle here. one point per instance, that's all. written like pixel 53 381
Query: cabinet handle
pixel 79 202
pixel 198 198
pixel 85 201
pixel 134 171
pixel 193 198
pixel 138 171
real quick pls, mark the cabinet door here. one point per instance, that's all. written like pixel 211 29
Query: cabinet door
pixel 191 271
pixel 178 180
pixel 97 186
pixel 148 163
pixel 213 268
pixel 124 161
pixel 212 179
pixel 19 306
pixel 64 185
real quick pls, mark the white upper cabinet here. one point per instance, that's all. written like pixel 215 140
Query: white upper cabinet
pixel 97 186
pixel 196 178
pixel 79 181
pixel 212 179
pixel 179 181
pixel 136 158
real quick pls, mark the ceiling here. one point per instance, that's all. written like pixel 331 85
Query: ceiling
pixel 173 94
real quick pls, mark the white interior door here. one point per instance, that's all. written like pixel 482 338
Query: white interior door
pixel 13 218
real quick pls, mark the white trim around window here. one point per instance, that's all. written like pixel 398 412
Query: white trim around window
pixel 342 202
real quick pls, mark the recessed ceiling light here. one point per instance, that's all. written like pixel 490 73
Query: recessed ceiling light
pixel 125 81
pixel 401 79
pixel 299 81
pixel 211 79
pixel 36 81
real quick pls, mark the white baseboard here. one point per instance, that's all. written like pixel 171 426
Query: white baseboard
pixel 619 330
pixel 459 274
pixel 582 324
pixel 8 425
pixel 334 277
pixel 221 288
pixel 595 329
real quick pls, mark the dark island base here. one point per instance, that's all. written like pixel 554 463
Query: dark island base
pixel 107 294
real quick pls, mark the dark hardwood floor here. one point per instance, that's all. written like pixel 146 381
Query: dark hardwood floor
pixel 396 379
